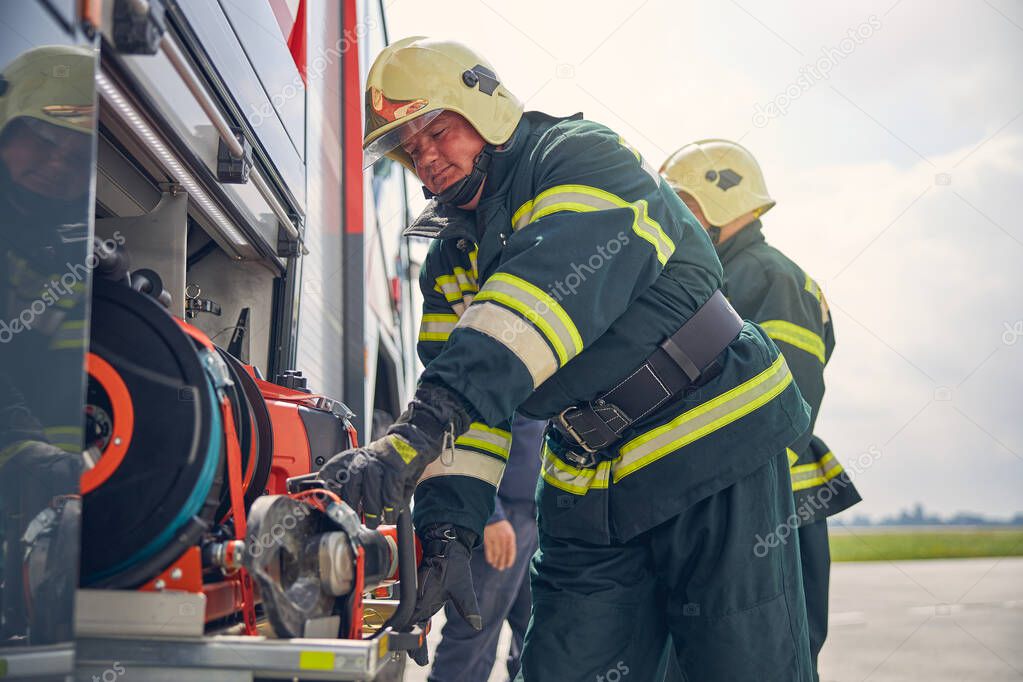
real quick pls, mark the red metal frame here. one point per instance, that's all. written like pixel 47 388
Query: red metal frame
pixel 351 103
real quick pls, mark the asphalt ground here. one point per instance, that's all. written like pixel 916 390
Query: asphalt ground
pixel 957 620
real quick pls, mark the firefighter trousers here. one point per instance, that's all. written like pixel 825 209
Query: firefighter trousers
pixel 722 578
pixel 816 558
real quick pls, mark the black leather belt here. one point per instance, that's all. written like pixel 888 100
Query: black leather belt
pixel 684 359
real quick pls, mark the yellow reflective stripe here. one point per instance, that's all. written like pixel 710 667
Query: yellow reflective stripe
pixel 15 448
pixel 812 287
pixel 643 163
pixel 457 283
pixel 67 344
pixel 483 437
pixel 794 335
pixel 703 420
pixel 522 215
pixel 818 473
pixel 540 309
pixel 793 457
pixel 448 285
pixel 466 463
pixel 522 339
pixel 466 280
pixel 581 199
pixel 403 448
pixel 570 479
pixel 437 326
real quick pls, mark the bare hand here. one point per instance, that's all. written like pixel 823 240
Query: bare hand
pixel 499 545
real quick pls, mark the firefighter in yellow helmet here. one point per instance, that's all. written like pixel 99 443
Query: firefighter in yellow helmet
pixel 723 186
pixel 47 129
pixel 567 282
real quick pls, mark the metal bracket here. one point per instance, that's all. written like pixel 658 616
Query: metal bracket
pixel 233 169
pixel 138 29
pixel 406 641
pixel 289 246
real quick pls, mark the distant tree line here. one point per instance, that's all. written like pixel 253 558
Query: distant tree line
pixel 917 516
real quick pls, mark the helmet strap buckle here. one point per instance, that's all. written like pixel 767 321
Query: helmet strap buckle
pixel 465 189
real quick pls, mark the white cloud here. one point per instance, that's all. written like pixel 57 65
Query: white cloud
pixel 848 158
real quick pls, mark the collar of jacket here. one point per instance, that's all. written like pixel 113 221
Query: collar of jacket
pixel 438 221
pixel 743 239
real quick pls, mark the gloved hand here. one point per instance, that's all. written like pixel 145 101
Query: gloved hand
pixel 444 575
pixel 380 477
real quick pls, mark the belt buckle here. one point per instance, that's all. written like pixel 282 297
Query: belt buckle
pixel 567 426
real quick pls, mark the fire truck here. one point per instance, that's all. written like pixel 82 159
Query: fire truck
pixel 203 297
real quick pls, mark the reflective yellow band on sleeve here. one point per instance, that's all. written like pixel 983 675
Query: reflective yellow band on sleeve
pixel 488 439
pixel 15 448
pixel 437 326
pixel 455 286
pixel 818 473
pixel 703 419
pixel 812 287
pixel 541 310
pixel 570 479
pixel 403 448
pixel 515 334
pixel 582 199
pixel 794 335
pixel 469 463
pixel 793 457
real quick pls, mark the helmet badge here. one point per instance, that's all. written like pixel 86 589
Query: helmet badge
pixel 725 179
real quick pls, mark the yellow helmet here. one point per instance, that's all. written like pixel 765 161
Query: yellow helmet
pixel 722 176
pixel 54 84
pixel 413 80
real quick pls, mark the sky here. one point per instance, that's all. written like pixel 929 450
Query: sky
pixel 891 136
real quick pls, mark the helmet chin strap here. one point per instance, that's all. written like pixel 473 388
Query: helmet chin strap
pixel 715 234
pixel 463 191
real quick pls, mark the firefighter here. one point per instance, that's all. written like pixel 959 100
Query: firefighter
pixel 723 186
pixel 46 166
pixel 568 283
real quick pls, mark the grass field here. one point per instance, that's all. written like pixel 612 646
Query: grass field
pixel 864 544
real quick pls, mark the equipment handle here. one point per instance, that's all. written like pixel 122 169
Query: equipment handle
pixel 399 620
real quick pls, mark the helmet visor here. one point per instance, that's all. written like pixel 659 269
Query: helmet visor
pixel 396 137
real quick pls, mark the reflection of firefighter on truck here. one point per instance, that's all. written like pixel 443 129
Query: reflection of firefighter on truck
pixel 46 121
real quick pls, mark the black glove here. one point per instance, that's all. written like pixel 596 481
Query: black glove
pixel 444 575
pixel 381 476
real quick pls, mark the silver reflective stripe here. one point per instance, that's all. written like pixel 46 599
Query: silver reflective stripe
pixel 515 334
pixel 703 419
pixel 818 473
pixel 570 479
pixel 467 463
pixel 437 327
pixel 541 310
pixel 447 285
pixel 483 437
pixel 643 163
